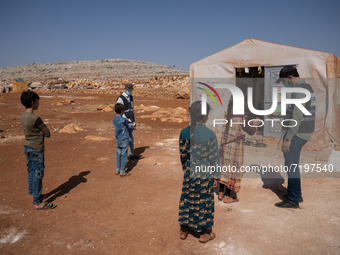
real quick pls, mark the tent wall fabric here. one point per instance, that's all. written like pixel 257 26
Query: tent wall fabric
pixel 320 69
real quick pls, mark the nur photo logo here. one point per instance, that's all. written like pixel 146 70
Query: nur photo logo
pixel 204 96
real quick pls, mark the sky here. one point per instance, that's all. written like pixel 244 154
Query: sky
pixel 174 33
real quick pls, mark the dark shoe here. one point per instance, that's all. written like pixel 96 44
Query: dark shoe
pixel 287 204
pixel 300 198
pixel 134 157
pixel 47 206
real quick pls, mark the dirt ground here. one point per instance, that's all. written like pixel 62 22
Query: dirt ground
pixel 100 213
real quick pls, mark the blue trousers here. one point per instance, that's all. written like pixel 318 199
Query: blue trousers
pixel 292 160
pixel 121 155
pixel 35 169
pixel 132 136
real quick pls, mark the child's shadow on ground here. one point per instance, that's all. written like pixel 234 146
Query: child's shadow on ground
pixel 65 188
pixel 274 181
pixel 133 162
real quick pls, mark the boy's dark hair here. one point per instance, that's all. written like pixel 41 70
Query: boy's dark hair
pixel 28 97
pixel 287 71
pixel 119 108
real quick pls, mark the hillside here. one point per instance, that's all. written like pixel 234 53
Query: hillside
pixel 90 70
pixel 101 76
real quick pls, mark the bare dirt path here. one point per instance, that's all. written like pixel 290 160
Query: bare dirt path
pixel 99 213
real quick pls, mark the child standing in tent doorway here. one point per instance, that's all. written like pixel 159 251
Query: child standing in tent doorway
pixel 232 153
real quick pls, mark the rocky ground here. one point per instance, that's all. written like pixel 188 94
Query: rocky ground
pixel 100 213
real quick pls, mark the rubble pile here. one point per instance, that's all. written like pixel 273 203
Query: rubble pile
pixel 177 115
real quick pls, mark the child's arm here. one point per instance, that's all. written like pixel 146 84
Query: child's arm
pixel 127 124
pixel 250 130
pixel 44 129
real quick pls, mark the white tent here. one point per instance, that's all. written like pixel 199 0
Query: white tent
pixel 320 69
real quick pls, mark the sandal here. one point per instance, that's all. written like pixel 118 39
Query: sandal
pixel 220 196
pixel 47 205
pixel 117 173
pixel 183 235
pixel 228 200
pixel 126 174
pixel 211 237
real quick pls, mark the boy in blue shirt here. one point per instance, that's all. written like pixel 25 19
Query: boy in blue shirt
pixel 122 128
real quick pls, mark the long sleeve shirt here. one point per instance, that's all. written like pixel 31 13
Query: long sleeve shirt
pixel 32 125
pixel 121 127
pixel 297 116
